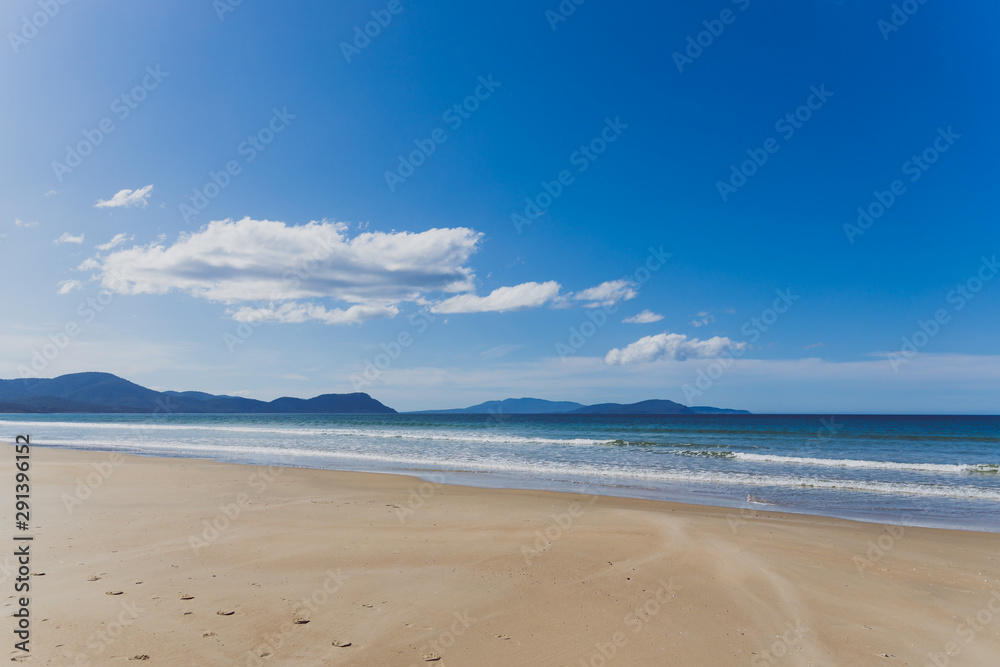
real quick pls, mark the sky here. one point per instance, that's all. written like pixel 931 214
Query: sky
pixel 783 207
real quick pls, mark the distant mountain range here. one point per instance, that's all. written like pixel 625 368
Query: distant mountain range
pixel 538 406
pixel 107 393
pixel 103 393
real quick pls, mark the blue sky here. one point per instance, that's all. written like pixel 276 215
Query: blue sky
pixel 323 264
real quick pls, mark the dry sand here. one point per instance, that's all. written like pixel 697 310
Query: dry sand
pixel 127 572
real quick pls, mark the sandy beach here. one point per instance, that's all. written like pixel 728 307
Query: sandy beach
pixel 186 562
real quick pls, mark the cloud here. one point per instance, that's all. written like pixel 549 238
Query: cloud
pixel 21 223
pixel 116 241
pixel 812 345
pixel 51 193
pixel 279 266
pixel 499 351
pixel 677 347
pixel 502 299
pixel 607 294
pixel 89 264
pixel 260 260
pixel 704 318
pixel 68 238
pixel 67 286
pixel 645 317
pixel 296 313
pixel 126 198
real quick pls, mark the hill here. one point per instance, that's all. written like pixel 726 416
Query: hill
pixel 107 393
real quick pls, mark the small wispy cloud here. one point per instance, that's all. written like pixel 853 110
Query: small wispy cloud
pixel 676 347
pixel 21 223
pixel 645 317
pixel 499 351
pixel 812 345
pixel 704 318
pixel 51 193
pixel 116 241
pixel 607 293
pixel 69 238
pixel 502 299
pixel 67 286
pixel 127 198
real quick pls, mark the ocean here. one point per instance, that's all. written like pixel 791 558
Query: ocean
pixel 939 471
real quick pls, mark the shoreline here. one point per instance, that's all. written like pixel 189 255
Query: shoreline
pixel 495 481
pixel 402 568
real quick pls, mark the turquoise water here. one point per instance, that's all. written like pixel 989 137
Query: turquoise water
pixel 913 470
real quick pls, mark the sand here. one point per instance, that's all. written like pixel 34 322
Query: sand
pixel 310 567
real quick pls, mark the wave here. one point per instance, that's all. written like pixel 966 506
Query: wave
pixel 868 465
pixel 620 474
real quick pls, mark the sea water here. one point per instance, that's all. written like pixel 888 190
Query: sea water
pixel 913 470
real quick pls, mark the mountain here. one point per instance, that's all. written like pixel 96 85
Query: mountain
pixel 538 406
pixel 512 406
pixel 652 407
pixel 104 392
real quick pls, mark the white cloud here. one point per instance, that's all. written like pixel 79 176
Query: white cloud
pixel 89 264
pixel 499 351
pixel 293 312
pixel 51 193
pixel 127 198
pixel 645 317
pixel 502 299
pixel 21 223
pixel 116 241
pixel 704 318
pixel 67 286
pixel 677 347
pixel 607 293
pixel 261 260
pixel 68 238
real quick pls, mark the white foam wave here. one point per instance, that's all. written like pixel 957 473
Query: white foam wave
pixel 868 465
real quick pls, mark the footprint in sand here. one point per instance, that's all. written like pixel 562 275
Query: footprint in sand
pixel 210 634
pixel 187 597
pixel 430 657
pixel 225 613
pixel 93 577
pixel 501 636
pixel 139 657
pixel 341 644
pixel 113 592
pixel 298 620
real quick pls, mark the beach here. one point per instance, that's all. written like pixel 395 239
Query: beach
pixel 192 562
